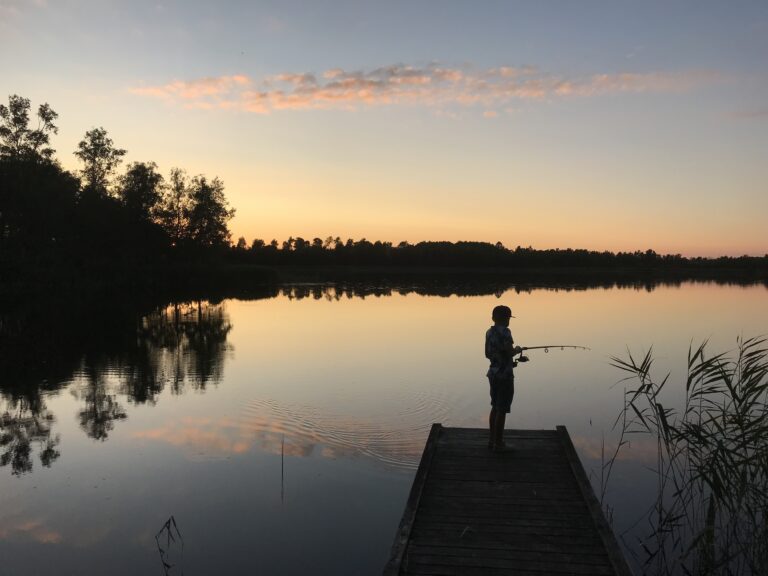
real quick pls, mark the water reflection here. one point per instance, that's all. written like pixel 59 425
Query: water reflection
pixel 351 386
pixel 101 408
pixel 34 530
pixel 132 358
pixel 296 430
pixel 180 345
pixel 25 423
pixel 465 284
pixel 397 441
pixel 111 354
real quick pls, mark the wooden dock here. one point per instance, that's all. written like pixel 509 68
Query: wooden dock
pixel 528 512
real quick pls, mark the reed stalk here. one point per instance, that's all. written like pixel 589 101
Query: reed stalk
pixel 710 516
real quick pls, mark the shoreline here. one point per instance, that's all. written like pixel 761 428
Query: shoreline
pixel 235 279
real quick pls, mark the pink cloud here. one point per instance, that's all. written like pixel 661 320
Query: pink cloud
pixel 296 79
pixel 753 113
pixel 632 82
pixel 432 85
pixel 199 89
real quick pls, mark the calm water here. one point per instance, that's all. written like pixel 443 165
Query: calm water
pixel 282 434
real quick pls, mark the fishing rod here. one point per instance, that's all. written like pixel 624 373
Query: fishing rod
pixel 546 349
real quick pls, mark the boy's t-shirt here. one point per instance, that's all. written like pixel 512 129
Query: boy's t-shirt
pixel 498 349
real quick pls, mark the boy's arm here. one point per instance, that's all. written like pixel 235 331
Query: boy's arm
pixel 512 348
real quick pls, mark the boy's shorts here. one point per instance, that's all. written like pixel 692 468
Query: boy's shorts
pixel 502 392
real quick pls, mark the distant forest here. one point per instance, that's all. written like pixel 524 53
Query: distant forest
pixel 102 226
pixel 335 251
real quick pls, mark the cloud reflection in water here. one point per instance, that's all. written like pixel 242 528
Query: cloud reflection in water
pixel 307 432
pixel 30 529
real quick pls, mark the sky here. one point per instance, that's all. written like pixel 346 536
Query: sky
pixel 592 124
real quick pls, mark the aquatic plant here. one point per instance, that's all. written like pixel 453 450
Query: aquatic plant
pixel 710 515
pixel 170 543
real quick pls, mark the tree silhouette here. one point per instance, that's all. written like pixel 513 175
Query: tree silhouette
pixel 100 158
pixel 37 205
pixel 140 190
pixel 568 263
pixel 175 204
pixel 209 213
pixel 17 140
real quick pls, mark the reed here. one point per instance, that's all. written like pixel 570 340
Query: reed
pixel 168 541
pixel 710 516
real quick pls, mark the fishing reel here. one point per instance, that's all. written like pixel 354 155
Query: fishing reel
pixel 522 358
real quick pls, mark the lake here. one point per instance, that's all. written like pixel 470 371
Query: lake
pixel 282 433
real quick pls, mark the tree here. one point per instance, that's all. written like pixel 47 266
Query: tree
pixel 141 189
pixel 299 244
pixel 174 208
pixel 100 158
pixel 36 195
pixel 17 140
pixel 37 204
pixel 209 212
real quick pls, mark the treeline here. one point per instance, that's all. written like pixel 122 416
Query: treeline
pixel 105 227
pixel 96 223
pixel 335 251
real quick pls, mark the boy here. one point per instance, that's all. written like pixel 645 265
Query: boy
pixel 499 349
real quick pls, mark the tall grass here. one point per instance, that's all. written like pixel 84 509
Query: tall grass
pixel 710 516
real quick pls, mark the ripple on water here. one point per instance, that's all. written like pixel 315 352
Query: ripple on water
pixel 395 440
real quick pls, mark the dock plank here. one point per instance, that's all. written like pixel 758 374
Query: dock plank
pixel 528 511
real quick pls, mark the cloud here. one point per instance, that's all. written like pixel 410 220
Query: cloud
pixel 752 113
pixel 12 9
pixel 633 82
pixel 9 11
pixel 433 86
pixel 203 90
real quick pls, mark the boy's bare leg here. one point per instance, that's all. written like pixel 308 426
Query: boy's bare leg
pixel 498 428
pixel 492 427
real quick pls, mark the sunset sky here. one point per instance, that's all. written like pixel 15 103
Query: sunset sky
pixel 600 125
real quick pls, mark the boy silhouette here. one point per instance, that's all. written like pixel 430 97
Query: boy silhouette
pixel 500 349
